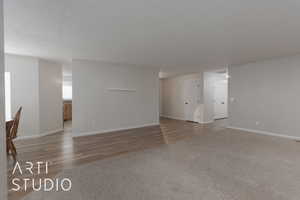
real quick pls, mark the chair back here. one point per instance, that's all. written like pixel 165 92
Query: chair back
pixel 15 125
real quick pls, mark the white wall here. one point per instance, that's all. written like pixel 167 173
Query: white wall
pixel 221 95
pixel 3 170
pixel 172 96
pixel 266 96
pixel 24 92
pixel 97 109
pixel 210 81
pixel 50 97
pixel 36 85
pixel 208 96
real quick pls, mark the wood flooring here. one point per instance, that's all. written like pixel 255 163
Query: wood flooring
pixel 63 152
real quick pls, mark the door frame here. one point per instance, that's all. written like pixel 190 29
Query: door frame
pixel 225 101
pixel 191 116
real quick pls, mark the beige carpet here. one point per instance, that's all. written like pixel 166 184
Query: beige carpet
pixel 220 165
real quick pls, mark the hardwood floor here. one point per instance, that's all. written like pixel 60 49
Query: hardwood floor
pixel 62 151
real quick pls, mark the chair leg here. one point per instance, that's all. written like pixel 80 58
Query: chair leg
pixel 7 147
pixel 13 151
pixel 14 156
pixel 14 147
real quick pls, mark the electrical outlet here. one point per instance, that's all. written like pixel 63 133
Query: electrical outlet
pixel 257 123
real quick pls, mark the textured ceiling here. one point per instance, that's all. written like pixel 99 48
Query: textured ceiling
pixel 172 34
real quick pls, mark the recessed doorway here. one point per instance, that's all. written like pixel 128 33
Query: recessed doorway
pixel 67 98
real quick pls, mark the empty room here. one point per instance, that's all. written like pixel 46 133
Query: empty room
pixel 149 100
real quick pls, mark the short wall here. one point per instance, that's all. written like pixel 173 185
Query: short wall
pixel 36 85
pixel 50 97
pixel 109 97
pixel 24 92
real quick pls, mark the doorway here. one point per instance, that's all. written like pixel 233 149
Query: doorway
pixel 192 96
pixel 67 98
pixel 220 95
pixel 220 101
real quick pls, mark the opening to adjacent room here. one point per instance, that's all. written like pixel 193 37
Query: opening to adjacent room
pixel 221 95
pixel 67 98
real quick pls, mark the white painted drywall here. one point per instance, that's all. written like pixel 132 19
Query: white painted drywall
pixel 208 96
pixel 172 96
pixel 7 96
pixel 265 95
pixel 50 96
pixel 160 99
pixel 3 170
pixel 24 92
pixel 36 85
pixel 221 99
pixel 100 105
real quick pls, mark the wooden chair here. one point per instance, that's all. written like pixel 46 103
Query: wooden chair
pixel 12 130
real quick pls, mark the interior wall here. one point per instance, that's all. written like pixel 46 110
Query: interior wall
pixel 50 97
pixel 36 85
pixel 209 93
pixel 208 96
pixel 160 98
pixel 172 95
pixel 108 97
pixel 24 92
pixel 264 96
pixel 221 95
pixel 3 170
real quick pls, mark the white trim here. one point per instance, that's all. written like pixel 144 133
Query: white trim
pixel 181 119
pixel 39 135
pixel 26 137
pixel 82 134
pixel 209 122
pixel 171 117
pixel 265 133
pixel 121 90
pixel 52 132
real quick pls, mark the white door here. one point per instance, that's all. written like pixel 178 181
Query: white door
pixel 221 95
pixel 191 98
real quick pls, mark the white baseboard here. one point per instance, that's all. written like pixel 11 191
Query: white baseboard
pixel 265 133
pixel 39 135
pixel 111 130
pixel 52 132
pixel 182 119
pixel 171 117
pixel 209 122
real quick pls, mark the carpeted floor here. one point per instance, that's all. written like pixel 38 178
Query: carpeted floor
pixel 218 165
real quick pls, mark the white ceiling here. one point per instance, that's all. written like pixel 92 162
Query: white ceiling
pixel 173 34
